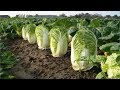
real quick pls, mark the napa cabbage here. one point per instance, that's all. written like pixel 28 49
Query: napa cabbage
pixel 30 33
pixel 58 41
pixel 110 67
pixel 83 45
pixel 24 32
pixel 42 35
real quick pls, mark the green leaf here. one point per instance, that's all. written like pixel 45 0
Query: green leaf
pixel 106 47
pixel 107 37
pixel 4 75
pixel 101 75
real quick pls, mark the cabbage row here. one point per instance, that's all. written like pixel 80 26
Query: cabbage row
pixel 86 37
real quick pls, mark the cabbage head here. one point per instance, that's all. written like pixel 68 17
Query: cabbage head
pixel 30 33
pixel 58 41
pixel 24 32
pixel 42 35
pixel 112 66
pixel 83 45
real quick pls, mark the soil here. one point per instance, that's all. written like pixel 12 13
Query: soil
pixel 40 64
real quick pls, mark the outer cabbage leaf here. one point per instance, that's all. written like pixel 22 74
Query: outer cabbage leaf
pixel 95 23
pixel 101 75
pixel 104 30
pixel 113 47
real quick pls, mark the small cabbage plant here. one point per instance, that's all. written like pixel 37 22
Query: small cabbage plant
pixel 110 67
